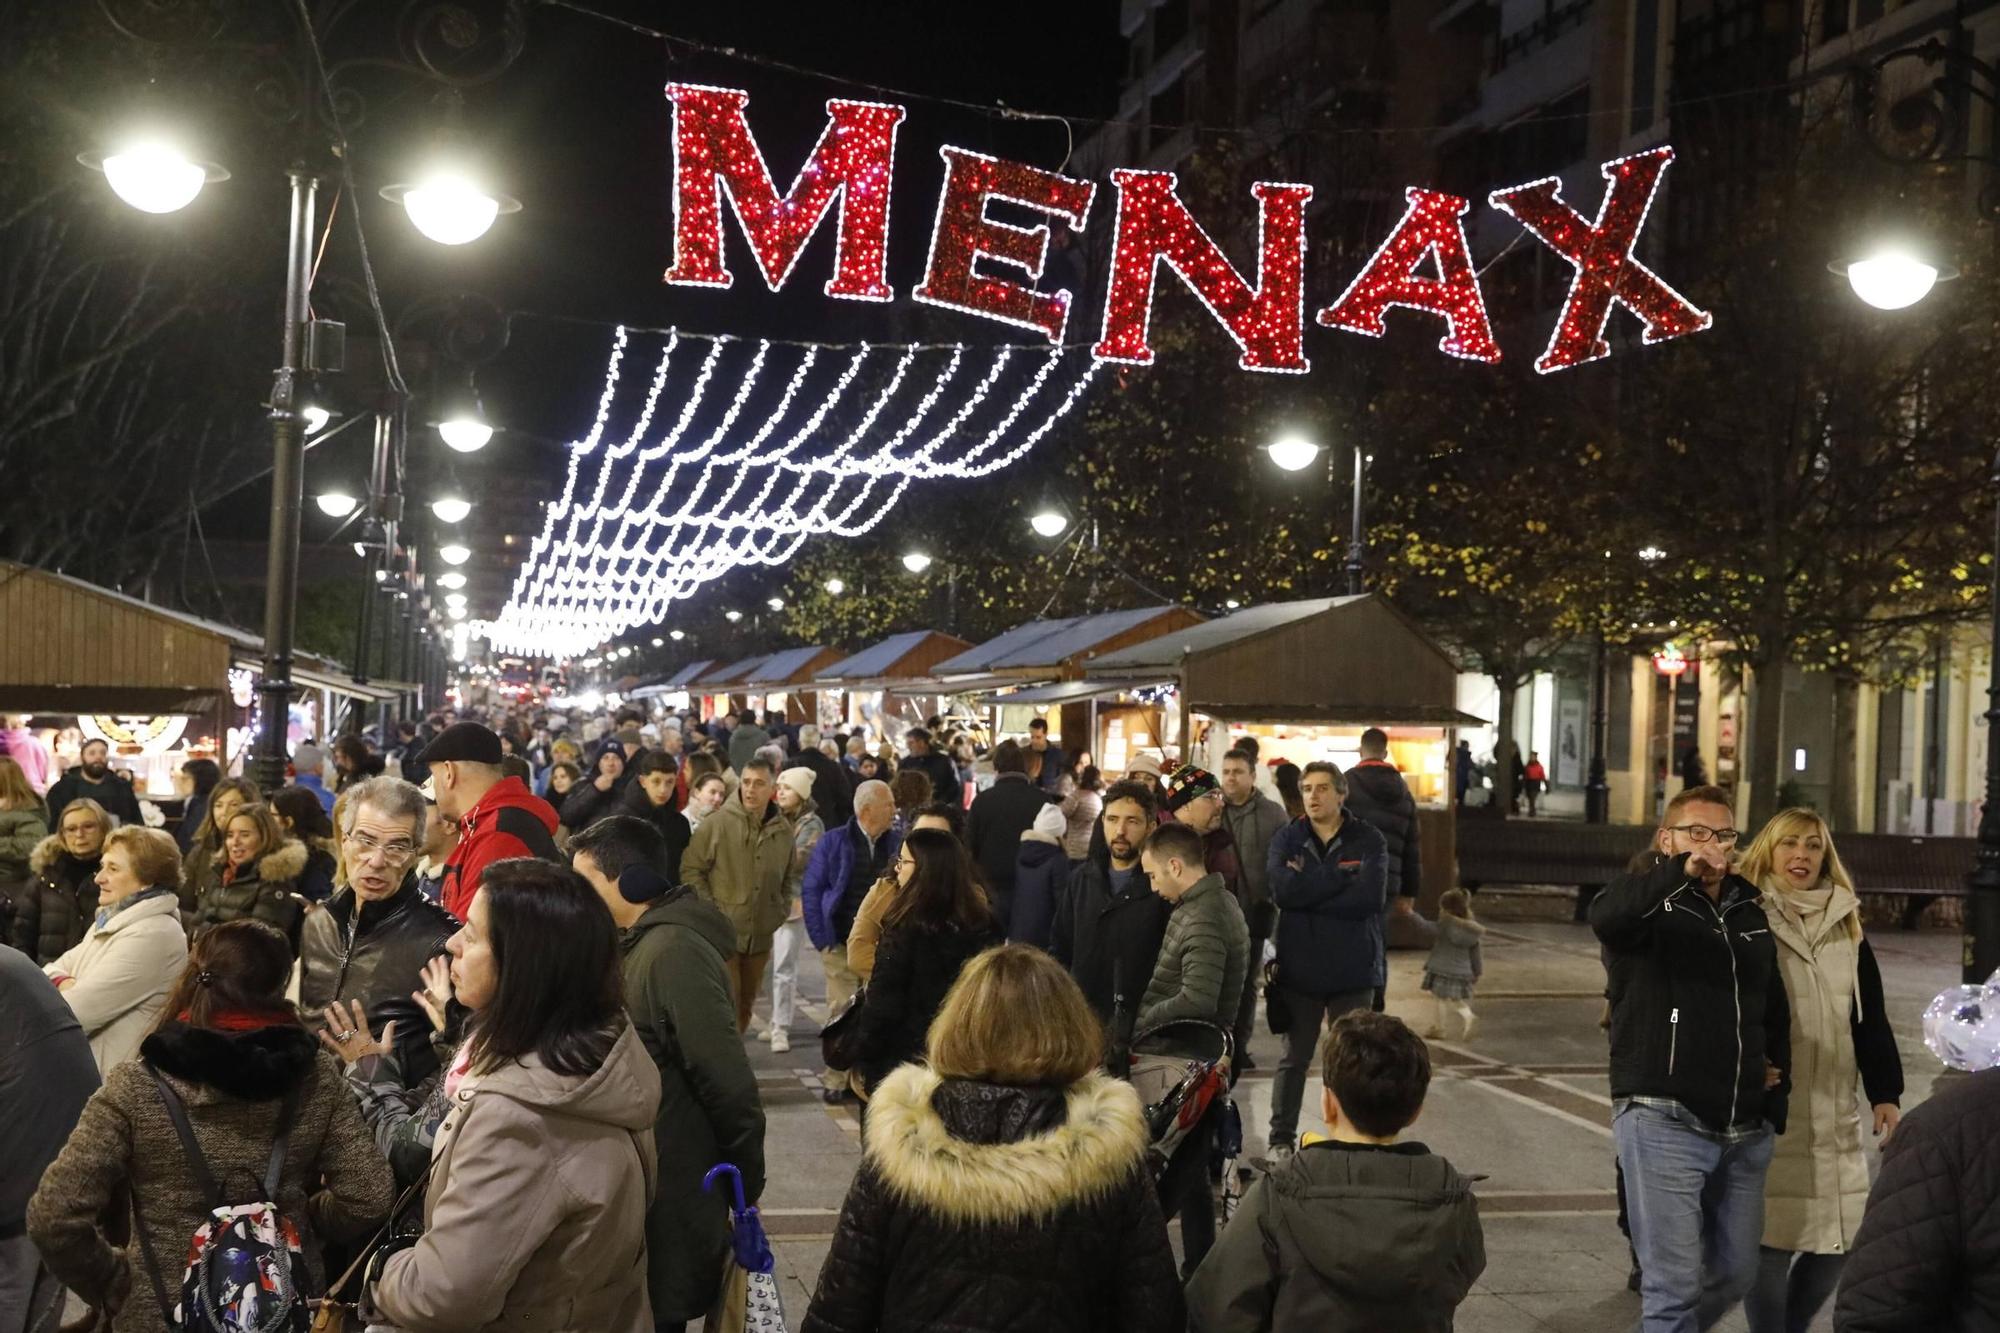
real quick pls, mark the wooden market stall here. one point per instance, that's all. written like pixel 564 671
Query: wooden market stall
pixel 1306 678
pixel 776 685
pixel 887 686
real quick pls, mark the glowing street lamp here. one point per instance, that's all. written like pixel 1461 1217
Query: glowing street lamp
pixel 916 562
pixel 449 208
pixel 1293 453
pixel 152 175
pixel 1893 275
pixel 454 554
pixel 836 586
pixel 467 432
pixel 1049 523
pixel 451 508
pixel 336 503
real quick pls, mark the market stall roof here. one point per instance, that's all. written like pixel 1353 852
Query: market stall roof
pixel 68 646
pixel 1334 660
pixel 1068 691
pixel 732 674
pixel 690 673
pixel 794 666
pixel 1051 645
pixel 900 657
pixel 981 657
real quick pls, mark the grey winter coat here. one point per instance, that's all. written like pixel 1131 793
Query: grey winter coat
pixel 1457 953
pixel 1204 961
pixel 1345 1237
pixel 1252 825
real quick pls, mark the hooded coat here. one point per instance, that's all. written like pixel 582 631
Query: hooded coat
pixel 22 831
pixel 1341 1238
pixel 1377 793
pixel 121 971
pixel 987 1207
pixel 265 890
pixel 993 829
pixel 743 868
pixel 53 912
pixel 710 1110
pixel 535 1215
pixel 334 1186
pixel 1841 1041
pixel 1041 878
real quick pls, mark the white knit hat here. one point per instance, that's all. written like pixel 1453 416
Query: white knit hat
pixel 800 780
pixel 1049 819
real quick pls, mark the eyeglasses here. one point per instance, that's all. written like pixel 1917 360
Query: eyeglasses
pixel 361 847
pixel 1703 833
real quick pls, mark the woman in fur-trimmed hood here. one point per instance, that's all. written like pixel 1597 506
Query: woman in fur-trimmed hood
pixel 1003 1187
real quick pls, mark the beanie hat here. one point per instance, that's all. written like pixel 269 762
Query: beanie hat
pixel 463 742
pixel 1189 784
pixel 800 780
pixel 1144 762
pixel 1049 819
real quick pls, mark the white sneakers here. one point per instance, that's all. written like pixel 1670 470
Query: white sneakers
pixel 781 1041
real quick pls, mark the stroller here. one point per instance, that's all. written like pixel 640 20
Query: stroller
pixel 1178 1093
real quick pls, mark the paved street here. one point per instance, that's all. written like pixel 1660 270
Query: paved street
pixel 1526 1106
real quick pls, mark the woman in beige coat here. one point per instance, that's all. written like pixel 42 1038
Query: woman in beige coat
pixel 116 979
pixel 1818 1180
pixel 535 1214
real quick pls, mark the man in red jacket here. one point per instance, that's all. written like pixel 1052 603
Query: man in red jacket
pixel 498 817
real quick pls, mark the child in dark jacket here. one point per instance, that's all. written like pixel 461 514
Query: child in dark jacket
pixel 1355 1231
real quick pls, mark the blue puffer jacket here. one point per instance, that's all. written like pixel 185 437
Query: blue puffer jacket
pixel 829 908
pixel 1330 909
pixel 1041 878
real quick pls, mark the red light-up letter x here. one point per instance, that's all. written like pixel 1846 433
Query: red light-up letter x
pixel 1602 254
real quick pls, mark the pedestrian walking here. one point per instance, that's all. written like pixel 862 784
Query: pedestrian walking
pixel 937 921
pixel 92 779
pixel 309 771
pixel 354 762
pixel 230 1056
pixel 1358 1230
pixel 1082 802
pixel 1377 793
pixel 1841 1042
pixel 911 790
pixel 998 818
pixel 1329 876
pixel 1252 819
pixel 1534 780
pixel 705 796
pixel 46 1076
pixel 1046 761
pixel 1041 879
pixel 1452 972
pixel 1196 984
pixel 1922 1260
pixel 370 945
pixel 1003 1184
pixel 924 757
pixel 650 796
pixel 832 791
pixel 739 859
pixel 865 934
pixel 794 799
pixel 588 802
pixel 1697 968
pixel 746 740
pixel 225 799
pixel 535 1212
pixel 498 817
pixel 1462 771
pixel 19 743
pixel 1108 926
pixel 256 876
pixel 675 947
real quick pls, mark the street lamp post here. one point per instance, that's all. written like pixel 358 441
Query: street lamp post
pixel 1597 792
pixel 1295 453
pixel 1356 547
pixel 281 569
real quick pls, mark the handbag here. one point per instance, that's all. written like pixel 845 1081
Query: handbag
pixel 330 1313
pixel 1277 1007
pixel 840 1039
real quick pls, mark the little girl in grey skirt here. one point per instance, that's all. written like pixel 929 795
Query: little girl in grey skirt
pixel 1455 964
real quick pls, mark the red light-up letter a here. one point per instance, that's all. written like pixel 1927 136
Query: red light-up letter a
pixel 1154 225
pixel 1602 255
pixel 1430 226
pixel 714 153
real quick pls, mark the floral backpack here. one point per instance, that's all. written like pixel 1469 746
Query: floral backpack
pixel 244 1264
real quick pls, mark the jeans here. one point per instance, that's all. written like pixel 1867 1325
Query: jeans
pixel 1791 1288
pixel 1696 1206
pixel 1288 1087
pixel 785 974
pixel 31 1300
pixel 1246 1009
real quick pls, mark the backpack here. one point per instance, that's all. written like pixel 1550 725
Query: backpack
pixel 244 1264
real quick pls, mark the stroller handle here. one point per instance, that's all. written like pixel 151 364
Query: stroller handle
pixel 1228 1037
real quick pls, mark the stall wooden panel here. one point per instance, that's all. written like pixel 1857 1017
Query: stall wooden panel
pixel 1363 649
pixel 60 639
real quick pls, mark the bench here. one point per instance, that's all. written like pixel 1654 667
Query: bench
pixel 1920 870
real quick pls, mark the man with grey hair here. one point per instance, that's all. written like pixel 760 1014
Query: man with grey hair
pixel 362 958
pixel 832 793
pixel 845 864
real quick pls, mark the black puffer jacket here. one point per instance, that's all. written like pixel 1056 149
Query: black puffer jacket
pixel 1109 943
pixel 1927 1258
pixel 379 960
pixel 1377 792
pixel 265 890
pixel 914 968
pixel 53 911
pixel 979 1207
pixel 1700 1004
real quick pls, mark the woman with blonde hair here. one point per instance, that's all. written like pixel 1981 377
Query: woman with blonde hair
pixel 224 799
pixel 1841 1037
pixel 256 876
pixel 1003 1186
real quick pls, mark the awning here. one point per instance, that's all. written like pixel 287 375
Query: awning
pixel 693 671
pixel 1072 691
pixel 375 691
pixel 1334 715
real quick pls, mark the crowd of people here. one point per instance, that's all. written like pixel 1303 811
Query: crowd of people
pixel 470 1016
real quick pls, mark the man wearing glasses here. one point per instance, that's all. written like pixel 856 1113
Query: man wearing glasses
pixel 362 958
pixel 1700 1045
